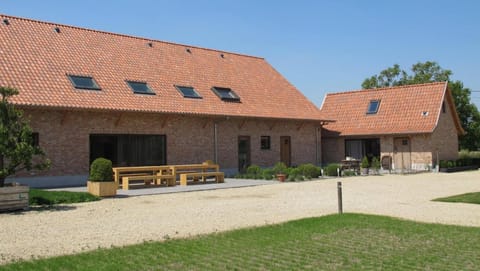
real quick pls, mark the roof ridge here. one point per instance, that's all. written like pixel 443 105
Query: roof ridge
pixel 385 88
pixel 4 16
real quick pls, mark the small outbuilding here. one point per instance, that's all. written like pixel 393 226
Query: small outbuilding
pixel 407 127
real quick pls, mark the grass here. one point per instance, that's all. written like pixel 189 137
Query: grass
pixel 49 198
pixel 335 242
pixel 465 198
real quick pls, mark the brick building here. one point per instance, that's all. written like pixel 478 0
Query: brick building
pixel 412 126
pixel 139 101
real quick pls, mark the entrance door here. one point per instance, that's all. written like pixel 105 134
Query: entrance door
pixel 401 153
pixel 243 153
pixel 285 150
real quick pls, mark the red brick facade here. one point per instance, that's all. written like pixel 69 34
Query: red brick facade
pixel 64 135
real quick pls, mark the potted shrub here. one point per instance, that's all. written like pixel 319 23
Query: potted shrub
pixel 280 171
pixel 364 165
pixel 100 182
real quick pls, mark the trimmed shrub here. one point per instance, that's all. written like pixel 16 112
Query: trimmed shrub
pixel 443 164
pixel 309 171
pixel 331 169
pixel 101 170
pixel 268 174
pixel 280 168
pixel 294 172
pixel 254 172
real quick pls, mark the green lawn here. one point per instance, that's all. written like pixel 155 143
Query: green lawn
pixel 336 242
pixel 49 198
pixel 465 198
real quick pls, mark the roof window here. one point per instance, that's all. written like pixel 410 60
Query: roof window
pixel 188 92
pixel 140 87
pixel 226 94
pixel 84 82
pixel 373 107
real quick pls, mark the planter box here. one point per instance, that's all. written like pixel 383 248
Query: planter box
pixel 14 197
pixel 457 169
pixel 102 189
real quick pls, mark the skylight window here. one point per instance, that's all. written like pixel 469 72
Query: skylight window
pixel 373 107
pixel 226 94
pixel 140 88
pixel 84 82
pixel 188 92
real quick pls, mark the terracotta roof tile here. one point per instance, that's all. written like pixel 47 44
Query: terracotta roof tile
pixel 403 110
pixel 36 60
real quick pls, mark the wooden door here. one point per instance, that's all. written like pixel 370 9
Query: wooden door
pixel 285 150
pixel 401 153
pixel 243 153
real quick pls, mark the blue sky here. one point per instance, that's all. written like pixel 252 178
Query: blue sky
pixel 319 46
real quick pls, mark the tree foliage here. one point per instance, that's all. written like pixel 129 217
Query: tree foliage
pixel 428 72
pixel 17 151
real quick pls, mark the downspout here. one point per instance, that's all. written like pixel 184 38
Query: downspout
pixel 317 144
pixel 215 143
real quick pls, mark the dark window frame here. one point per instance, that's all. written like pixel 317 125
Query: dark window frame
pixel 233 97
pixel 196 96
pixel 35 139
pixel 444 108
pixel 369 108
pixel 95 85
pixel 265 145
pixel 135 91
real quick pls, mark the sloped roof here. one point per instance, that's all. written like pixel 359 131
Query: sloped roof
pixel 35 58
pixel 402 110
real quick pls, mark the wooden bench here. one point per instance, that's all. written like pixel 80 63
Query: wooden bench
pixel 157 179
pixel 219 176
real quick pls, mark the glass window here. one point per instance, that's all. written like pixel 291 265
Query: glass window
pixel 84 82
pixel 373 107
pixel 265 142
pixel 226 94
pixel 359 148
pixel 129 149
pixel 188 92
pixel 140 87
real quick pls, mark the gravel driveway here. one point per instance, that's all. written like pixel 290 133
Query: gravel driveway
pixel 121 221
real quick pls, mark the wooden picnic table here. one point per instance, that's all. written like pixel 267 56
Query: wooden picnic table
pixel 119 172
pixel 179 169
pixel 147 172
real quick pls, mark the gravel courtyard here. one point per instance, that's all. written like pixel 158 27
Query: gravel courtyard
pixel 121 221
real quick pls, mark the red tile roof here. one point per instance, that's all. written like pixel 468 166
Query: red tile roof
pixel 36 60
pixel 403 110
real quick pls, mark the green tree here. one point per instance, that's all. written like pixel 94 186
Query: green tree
pixel 428 72
pixel 17 151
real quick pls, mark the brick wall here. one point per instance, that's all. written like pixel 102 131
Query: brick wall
pixel 64 135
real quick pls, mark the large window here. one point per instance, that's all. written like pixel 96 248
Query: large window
pixel 129 150
pixel 358 148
